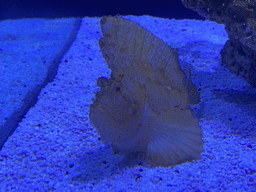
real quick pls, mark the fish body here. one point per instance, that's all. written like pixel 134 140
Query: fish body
pixel 144 106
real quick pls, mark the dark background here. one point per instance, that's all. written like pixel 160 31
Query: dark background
pixel 17 9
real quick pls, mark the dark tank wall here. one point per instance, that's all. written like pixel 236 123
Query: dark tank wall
pixel 17 9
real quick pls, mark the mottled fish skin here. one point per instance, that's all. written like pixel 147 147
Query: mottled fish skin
pixel 144 106
pixel 114 109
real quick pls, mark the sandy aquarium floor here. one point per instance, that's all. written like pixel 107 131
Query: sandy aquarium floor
pixel 56 148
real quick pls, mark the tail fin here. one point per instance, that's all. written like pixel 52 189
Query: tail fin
pixel 176 138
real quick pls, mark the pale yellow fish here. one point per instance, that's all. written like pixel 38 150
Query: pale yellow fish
pixel 144 107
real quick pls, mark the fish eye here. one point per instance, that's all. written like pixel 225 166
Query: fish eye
pixel 117 89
